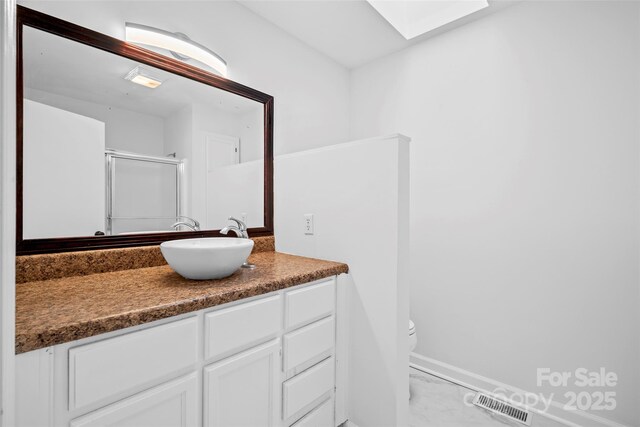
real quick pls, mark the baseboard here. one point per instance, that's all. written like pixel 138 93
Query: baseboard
pixel 477 382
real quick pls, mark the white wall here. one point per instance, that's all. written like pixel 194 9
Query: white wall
pixel 7 210
pixel 125 130
pixel 178 136
pixel 349 197
pixel 178 130
pixel 235 190
pixel 310 90
pixel 63 176
pixel 524 190
pixel 251 135
pixel 210 119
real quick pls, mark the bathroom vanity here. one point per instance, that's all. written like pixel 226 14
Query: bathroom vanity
pixel 258 348
pixel 106 332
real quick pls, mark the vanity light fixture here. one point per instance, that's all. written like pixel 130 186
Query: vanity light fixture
pixel 141 77
pixel 178 44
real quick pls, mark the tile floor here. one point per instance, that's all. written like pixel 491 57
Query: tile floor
pixel 438 403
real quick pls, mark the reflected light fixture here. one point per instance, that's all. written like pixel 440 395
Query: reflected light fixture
pixel 141 77
pixel 178 44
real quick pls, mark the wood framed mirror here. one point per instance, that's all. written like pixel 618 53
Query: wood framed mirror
pixel 103 162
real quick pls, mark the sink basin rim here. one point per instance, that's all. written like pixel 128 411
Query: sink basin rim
pixel 218 243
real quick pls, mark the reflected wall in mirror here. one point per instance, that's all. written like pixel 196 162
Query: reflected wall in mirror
pixel 113 146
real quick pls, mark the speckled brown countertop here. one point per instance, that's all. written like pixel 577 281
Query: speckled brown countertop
pixel 51 312
pixel 31 268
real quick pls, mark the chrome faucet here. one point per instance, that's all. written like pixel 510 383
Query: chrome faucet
pixel 194 225
pixel 240 230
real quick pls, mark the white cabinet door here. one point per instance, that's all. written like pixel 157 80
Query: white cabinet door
pixel 243 390
pixel 174 404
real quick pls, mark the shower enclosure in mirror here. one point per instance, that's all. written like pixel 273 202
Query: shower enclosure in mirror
pixel 143 194
pixel 121 146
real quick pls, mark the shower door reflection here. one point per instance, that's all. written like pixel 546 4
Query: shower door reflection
pixel 143 193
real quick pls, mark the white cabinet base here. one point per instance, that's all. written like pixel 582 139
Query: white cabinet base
pixel 219 367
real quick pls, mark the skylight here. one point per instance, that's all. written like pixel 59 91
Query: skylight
pixel 412 18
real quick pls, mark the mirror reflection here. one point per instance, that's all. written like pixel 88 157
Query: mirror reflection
pixel 113 147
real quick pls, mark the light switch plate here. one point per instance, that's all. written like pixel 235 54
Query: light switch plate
pixel 308 224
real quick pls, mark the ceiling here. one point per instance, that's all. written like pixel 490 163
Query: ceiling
pixel 351 32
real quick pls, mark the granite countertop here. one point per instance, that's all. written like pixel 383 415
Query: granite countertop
pixel 50 312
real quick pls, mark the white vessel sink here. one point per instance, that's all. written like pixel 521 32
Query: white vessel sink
pixel 206 258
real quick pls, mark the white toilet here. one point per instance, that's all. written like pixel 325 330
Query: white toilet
pixel 413 338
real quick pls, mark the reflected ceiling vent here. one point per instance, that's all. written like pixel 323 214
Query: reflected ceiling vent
pixel 177 44
pixel 501 408
pixel 412 18
pixel 142 77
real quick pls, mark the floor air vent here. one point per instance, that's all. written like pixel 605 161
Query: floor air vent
pixel 502 408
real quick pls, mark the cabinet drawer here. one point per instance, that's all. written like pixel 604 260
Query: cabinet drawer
pixel 309 303
pixel 302 390
pixel 322 416
pixel 173 404
pixel 310 341
pixel 241 326
pixel 109 368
